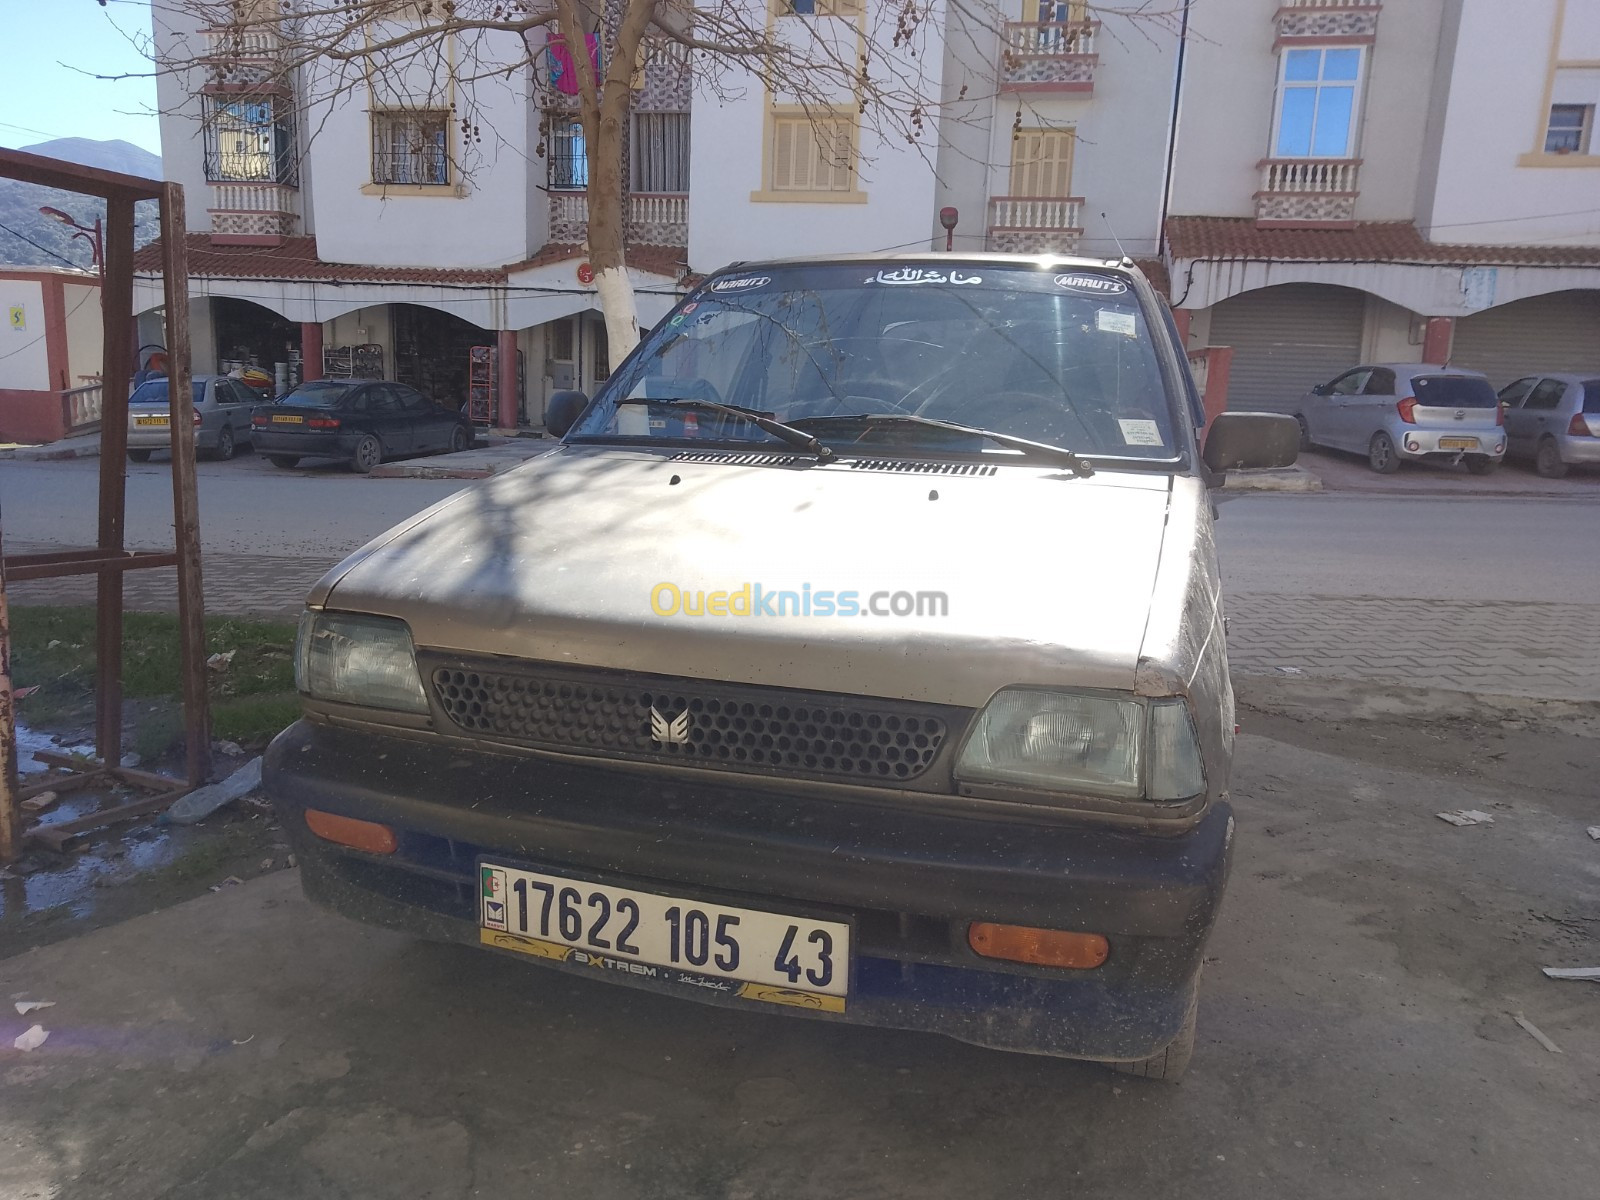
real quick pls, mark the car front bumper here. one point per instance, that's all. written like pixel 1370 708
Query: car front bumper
pixel 909 881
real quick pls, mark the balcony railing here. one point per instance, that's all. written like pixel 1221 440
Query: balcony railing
pixel 80 409
pixel 237 44
pixel 252 213
pixel 1327 18
pixel 1034 224
pixel 653 218
pixel 1048 55
pixel 1308 190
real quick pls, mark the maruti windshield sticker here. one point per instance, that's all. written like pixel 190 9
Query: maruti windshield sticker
pixel 741 283
pixel 1140 433
pixel 1093 285
pixel 909 275
pixel 1109 320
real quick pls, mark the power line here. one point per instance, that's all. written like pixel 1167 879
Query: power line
pixel 45 249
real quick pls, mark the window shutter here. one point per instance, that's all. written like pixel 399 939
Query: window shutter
pixel 1041 163
pixel 783 153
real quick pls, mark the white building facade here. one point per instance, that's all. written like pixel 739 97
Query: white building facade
pixel 1323 182
pixel 1357 181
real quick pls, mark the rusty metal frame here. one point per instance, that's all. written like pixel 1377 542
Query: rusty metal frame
pixel 110 559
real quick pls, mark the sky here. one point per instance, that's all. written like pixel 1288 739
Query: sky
pixel 50 44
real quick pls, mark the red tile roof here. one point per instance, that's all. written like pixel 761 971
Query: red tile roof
pixel 1372 241
pixel 296 258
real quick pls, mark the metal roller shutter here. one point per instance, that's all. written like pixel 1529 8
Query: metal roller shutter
pixel 1286 339
pixel 1558 332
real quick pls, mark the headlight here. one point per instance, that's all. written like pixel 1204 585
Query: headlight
pixel 358 660
pixel 1118 747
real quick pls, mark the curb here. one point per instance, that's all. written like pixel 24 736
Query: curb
pixel 409 471
pixel 1273 479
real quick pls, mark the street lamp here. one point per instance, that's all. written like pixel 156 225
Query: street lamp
pixel 94 235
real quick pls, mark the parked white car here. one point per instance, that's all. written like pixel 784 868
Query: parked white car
pixel 1554 420
pixel 1392 412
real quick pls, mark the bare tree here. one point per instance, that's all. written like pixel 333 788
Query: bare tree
pixel 880 65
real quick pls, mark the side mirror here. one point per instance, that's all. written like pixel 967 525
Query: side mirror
pixel 1320 390
pixel 563 409
pixel 1237 440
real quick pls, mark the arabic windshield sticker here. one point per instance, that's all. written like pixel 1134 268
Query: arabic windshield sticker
pixel 1140 433
pixel 741 283
pixel 1109 320
pixel 914 275
pixel 1091 285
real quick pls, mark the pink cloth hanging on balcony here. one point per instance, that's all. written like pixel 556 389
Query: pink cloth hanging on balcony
pixel 563 72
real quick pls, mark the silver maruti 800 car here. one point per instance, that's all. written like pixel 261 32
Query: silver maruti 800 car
pixel 858 654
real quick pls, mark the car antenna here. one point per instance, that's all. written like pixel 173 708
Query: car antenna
pixel 1125 259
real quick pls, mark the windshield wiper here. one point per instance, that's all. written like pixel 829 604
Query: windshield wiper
pixel 798 438
pixel 1041 451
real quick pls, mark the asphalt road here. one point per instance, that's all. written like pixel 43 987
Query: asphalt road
pixel 1461 548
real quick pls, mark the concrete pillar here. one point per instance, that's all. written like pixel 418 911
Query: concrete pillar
pixel 1437 336
pixel 310 350
pixel 506 343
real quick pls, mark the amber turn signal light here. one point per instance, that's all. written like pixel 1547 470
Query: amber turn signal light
pixel 1041 947
pixel 347 831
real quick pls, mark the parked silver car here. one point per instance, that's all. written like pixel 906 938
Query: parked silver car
pixel 1392 412
pixel 221 417
pixel 1553 420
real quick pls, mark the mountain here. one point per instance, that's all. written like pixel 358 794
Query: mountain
pixel 21 222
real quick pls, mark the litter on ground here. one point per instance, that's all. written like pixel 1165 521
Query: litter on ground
pixel 1536 1033
pixel 24 1007
pixel 1573 973
pixel 1466 816
pixel 31 1038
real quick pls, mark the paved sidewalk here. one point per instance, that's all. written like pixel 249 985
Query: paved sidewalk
pixel 1500 648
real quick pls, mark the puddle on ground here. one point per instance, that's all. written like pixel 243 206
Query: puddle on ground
pixel 80 882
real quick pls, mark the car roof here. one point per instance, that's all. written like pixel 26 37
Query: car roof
pixel 1423 369
pixel 1124 266
pixel 1563 376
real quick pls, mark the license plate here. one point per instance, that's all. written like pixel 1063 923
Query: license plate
pixel 280 419
pixel 152 420
pixel 1458 443
pixel 771 957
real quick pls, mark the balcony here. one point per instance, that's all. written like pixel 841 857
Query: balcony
pixel 1327 20
pixel 252 214
pixel 242 60
pixel 1308 191
pixel 1034 224
pixel 654 219
pixel 1048 56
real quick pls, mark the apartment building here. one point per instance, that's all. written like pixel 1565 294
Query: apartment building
pixel 1405 180
pixel 1316 183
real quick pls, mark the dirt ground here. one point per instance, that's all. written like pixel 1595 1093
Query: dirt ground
pixel 1356 1026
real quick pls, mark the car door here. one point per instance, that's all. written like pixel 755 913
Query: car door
pixel 1372 405
pixel 1513 397
pixel 424 419
pixel 386 418
pixel 236 402
pixel 1540 411
pixel 1340 419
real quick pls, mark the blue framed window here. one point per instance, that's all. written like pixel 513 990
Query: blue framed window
pixel 1317 103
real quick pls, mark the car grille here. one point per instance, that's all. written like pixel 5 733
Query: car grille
pixel 711 724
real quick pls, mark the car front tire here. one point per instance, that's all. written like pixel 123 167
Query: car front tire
pixel 139 455
pixel 1169 1065
pixel 1547 462
pixel 369 453
pixel 1382 457
pixel 460 440
pixel 1305 432
pixel 225 445
pixel 285 461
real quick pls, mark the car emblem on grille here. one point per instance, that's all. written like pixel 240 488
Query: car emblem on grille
pixel 669 733
pixel 1461 414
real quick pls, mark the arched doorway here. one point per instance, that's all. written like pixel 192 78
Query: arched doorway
pixel 248 334
pixel 1555 332
pixel 1286 339
pixel 432 351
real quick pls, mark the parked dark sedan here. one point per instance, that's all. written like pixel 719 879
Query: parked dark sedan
pixel 362 420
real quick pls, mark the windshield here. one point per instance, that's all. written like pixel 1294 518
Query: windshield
pixel 322 393
pixel 1061 358
pixel 154 391
pixel 1454 391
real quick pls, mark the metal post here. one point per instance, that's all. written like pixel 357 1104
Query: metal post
pixel 506 343
pixel 185 491
pixel 10 811
pixel 116 303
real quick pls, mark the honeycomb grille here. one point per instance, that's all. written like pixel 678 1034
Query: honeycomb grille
pixel 715 725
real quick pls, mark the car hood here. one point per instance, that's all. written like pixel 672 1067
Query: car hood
pixel 1048 577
